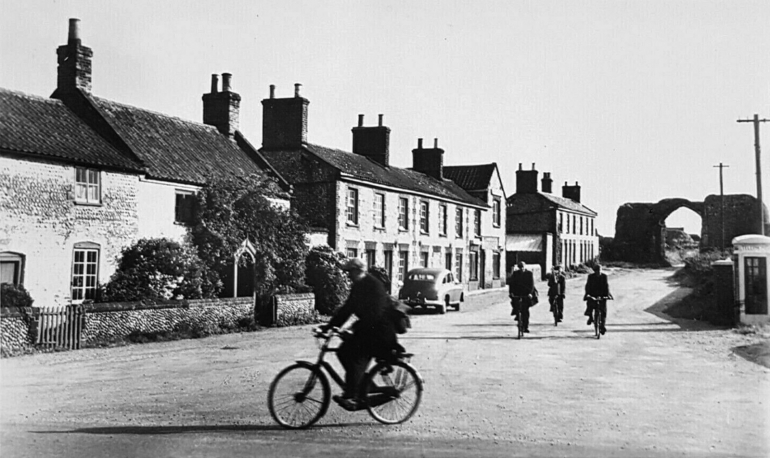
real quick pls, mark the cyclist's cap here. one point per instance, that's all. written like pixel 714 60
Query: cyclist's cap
pixel 353 264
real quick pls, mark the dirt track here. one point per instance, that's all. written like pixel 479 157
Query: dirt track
pixel 651 387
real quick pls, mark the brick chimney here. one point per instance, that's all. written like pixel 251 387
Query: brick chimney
pixel 284 121
pixel 546 182
pixel 222 109
pixel 372 142
pixel 429 161
pixel 526 180
pixel 571 192
pixel 74 70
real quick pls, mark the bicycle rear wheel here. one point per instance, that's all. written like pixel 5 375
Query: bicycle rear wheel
pixel 393 392
pixel 298 396
pixel 519 324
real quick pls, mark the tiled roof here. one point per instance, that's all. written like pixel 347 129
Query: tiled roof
pixel 175 149
pixel 470 177
pixel 362 168
pixel 537 202
pixel 46 127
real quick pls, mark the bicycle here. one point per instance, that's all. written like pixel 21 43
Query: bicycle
pixel 300 394
pixel 600 305
pixel 516 303
pixel 558 307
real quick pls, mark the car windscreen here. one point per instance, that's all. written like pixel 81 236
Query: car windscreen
pixel 422 277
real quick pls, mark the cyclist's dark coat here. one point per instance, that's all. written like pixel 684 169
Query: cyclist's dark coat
pixel 557 283
pixel 597 285
pixel 373 331
pixel 521 283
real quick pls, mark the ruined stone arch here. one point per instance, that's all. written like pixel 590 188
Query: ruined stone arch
pixel 640 227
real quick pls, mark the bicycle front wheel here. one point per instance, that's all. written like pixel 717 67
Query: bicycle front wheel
pixel 393 392
pixel 299 396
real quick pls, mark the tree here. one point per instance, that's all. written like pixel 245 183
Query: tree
pixel 329 283
pixel 233 209
pixel 158 269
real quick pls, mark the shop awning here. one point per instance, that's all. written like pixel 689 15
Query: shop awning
pixel 524 242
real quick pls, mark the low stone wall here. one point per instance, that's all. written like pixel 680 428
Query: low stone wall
pixel 15 335
pixel 291 309
pixel 106 321
pixel 114 320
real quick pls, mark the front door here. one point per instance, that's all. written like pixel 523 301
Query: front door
pixel 482 268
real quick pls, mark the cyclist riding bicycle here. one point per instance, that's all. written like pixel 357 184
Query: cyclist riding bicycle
pixel 557 283
pixel 596 287
pixel 521 288
pixel 373 334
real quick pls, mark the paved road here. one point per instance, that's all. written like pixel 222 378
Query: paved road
pixel 652 387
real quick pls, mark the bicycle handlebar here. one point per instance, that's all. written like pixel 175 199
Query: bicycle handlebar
pixel 600 298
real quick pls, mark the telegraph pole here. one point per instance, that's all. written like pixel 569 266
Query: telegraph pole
pixel 722 202
pixel 756 122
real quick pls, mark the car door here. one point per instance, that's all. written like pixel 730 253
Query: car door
pixel 452 288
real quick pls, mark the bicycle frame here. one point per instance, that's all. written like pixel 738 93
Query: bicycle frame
pixel 321 364
pixel 519 302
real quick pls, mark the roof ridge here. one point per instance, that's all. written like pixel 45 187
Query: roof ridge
pixel 147 110
pixel 27 95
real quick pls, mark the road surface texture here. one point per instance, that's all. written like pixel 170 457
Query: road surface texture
pixel 651 387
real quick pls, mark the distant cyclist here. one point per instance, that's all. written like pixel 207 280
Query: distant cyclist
pixel 557 283
pixel 596 287
pixel 521 288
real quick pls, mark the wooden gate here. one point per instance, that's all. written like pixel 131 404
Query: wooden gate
pixel 60 327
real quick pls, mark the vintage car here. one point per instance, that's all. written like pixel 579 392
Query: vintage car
pixel 435 287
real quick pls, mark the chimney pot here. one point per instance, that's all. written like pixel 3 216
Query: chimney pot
pixel 272 91
pixel 360 120
pixel 296 89
pixel 533 166
pixel 226 82
pixel 74 30
pixel 419 143
pixel 214 83
pixel 519 165
pixel 380 121
pixel 435 142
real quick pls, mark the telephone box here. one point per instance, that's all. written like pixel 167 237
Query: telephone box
pixel 750 259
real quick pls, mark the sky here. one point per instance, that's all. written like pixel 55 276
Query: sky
pixel 636 101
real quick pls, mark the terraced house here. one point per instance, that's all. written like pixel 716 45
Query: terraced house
pixel 393 217
pixel 546 229
pixel 81 177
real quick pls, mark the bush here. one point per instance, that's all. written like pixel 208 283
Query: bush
pixel 231 210
pixel 158 269
pixel 323 273
pixel 14 296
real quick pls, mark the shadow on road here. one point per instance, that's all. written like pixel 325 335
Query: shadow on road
pixel 159 430
pixel 657 309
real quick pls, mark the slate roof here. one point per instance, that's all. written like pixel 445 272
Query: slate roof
pixel 520 203
pixel 363 168
pixel 471 177
pixel 46 127
pixel 175 149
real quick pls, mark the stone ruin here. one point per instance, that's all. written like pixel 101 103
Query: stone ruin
pixel 640 228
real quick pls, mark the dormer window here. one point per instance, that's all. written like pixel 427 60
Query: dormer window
pixel 88 186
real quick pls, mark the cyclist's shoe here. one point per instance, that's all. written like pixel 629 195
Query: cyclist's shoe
pixel 602 330
pixel 526 330
pixel 513 312
pixel 347 403
pixel 590 321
